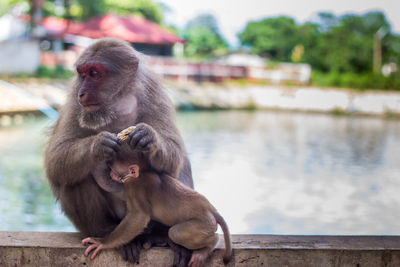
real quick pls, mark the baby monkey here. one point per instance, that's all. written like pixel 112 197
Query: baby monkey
pixel 160 197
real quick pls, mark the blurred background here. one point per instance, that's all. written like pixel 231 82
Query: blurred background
pixel 290 110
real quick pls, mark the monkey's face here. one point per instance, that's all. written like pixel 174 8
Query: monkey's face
pixel 92 76
pixel 105 72
pixel 118 171
pixel 123 172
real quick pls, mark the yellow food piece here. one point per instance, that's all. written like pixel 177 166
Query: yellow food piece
pixel 123 135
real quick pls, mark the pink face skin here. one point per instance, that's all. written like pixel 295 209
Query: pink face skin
pixel 92 76
pixel 123 172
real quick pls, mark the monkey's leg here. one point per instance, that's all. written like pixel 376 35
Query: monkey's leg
pixel 156 234
pixel 198 235
pixel 87 206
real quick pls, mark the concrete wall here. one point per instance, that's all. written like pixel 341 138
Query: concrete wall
pixel 289 98
pixel 19 56
pixel 64 249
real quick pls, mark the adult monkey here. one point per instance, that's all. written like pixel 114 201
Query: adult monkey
pixel 112 91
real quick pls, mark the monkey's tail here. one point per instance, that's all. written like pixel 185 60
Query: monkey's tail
pixel 227 237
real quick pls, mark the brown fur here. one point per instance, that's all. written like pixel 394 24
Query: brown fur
pixel 193 220
pixel 82 141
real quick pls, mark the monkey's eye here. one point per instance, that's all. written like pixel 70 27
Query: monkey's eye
pixel 94 74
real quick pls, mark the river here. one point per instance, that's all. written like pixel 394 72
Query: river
pixel 266 172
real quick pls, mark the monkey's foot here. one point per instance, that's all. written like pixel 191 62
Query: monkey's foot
pixel 199 257
pixel 155 234
pixel 95 244
pixel 181 254
pixel 131 251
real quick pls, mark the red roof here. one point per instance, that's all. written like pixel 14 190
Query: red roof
pixel 134 29
pixel 54 26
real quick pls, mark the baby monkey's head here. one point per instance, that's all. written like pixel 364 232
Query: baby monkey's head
pixel 123 172
pixel 126 165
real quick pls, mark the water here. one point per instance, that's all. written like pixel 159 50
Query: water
pixel 26 202
pixel 266 172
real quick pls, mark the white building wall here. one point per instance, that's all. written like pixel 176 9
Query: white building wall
pixel 19 56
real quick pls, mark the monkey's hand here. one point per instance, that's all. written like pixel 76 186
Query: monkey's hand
pixel 105 146
pixel 95 244
pixel 143 138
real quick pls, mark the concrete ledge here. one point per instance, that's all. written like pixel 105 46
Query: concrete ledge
pixel 64 249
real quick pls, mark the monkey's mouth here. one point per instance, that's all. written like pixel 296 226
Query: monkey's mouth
pixel 91 107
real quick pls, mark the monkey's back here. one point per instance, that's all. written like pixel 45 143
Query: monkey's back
pixel 172 202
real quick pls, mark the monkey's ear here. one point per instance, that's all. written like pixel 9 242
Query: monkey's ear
pixel 134 63
pixel 134 170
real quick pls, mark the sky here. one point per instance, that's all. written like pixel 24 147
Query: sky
pixel 233 15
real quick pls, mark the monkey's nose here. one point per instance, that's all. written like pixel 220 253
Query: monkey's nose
pixel 83 99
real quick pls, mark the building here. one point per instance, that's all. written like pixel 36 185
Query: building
pixel 66 39
pixel 18 53
pixel 146 36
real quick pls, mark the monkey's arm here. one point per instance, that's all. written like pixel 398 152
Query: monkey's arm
pixel 162 144
pixel 64 161
pixel 70 158
pixel 132 225
pixel 169 155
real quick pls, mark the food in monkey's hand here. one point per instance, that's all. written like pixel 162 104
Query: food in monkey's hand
pixel 123 135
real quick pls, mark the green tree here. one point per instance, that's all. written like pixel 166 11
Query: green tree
pixel 274 37
pixel 345 43
pixel 392 48
pixel 330 43
pixel 90 8
pixel 146 8
pixel 86 9
pixel 203 38
pixel 6 5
